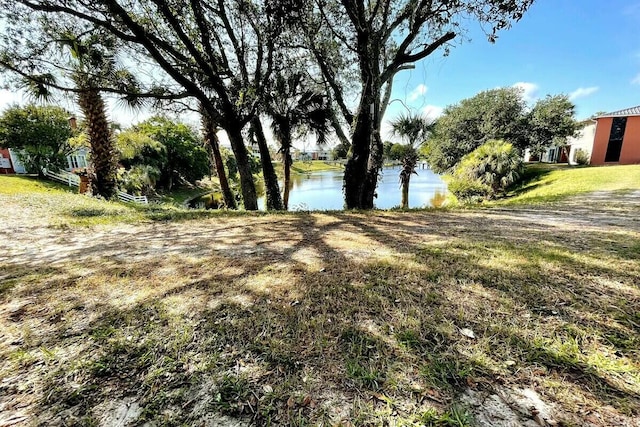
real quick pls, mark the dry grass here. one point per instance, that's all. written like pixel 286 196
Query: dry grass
pixel 308 319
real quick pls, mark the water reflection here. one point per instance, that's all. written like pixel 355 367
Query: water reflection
pixel 323 190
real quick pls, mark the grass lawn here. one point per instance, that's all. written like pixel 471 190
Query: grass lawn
pixel 314 166
pixel 425 318
pixel 548 183
pixel 63 207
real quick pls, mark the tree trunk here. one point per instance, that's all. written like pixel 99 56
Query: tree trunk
pixel 404 204
pixel 362 168
pixel 212 143
pixel 103 157
pixel 287 162
pixel 247 186
pixel 373 169
pixel 274 201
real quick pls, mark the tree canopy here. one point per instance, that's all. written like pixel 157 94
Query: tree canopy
pixel 221 56
pixel 174 148
pixel 498 114
pixel 552 120
pixel 41 133
pixel 360 46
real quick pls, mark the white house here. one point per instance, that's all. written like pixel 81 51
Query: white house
pixel 558 153
pixel 78 159
pixel 11 163
pixel 318 154
pixel 583 142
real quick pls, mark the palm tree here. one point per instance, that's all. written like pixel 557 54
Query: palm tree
pixel 295 109
pixel 414 129
pixel 496 164
pixel 94 63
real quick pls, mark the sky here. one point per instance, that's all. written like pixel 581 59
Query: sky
pixel 587 49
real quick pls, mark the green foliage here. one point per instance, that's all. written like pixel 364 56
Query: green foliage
pixel 487 171
pixel 413 129
pixel 173 148
pixel 139 179
pixel 366 375
pixel 492 114
pixel 582 157
pixel 386 149
pixel 398 151
pixel 456 417
pixel 138 148
pixel 551 121
pixel 498 114
pixel 40 132
pixel 467 190
pixel 340 151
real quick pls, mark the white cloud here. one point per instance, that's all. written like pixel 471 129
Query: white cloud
pixel 419 91
pixel 529 90
pixel 583 92
pixel 432 111
pixel 636 80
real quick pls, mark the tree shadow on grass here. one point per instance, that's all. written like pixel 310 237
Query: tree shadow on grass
pixel 298 320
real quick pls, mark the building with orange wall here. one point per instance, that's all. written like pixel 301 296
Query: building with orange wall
pixel 617 138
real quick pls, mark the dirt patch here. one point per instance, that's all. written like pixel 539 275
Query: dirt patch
pixel 343 316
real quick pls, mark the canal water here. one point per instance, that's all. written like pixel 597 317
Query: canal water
pixel 323 190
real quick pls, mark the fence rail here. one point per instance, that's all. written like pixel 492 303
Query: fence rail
pixel 66 178
pixel 74 181
pixel 126 197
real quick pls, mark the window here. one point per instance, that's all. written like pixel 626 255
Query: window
pixel 616 137
pixel 77 161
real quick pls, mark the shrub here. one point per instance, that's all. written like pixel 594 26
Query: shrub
pixel 582 157
pixel 174 149
pixel 487 171
pixel 140 179
pixel 468 190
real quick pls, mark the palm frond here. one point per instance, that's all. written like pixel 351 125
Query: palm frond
pixel 38 87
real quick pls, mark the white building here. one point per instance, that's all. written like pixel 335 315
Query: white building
pixel 558 153
pixel 77 159
pixel 584 142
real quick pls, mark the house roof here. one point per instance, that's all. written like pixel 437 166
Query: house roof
pixel 633 111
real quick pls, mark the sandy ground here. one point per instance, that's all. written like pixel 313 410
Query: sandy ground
pixel 28 239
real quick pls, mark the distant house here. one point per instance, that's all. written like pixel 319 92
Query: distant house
pixel 312 155
pixel 79 158
pixel 6 166
pixel 568 151
pixel 553 154
pixel 617 138
pixel 321 155
pixel 10 160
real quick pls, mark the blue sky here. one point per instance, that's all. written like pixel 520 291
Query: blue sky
pixel 588 49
